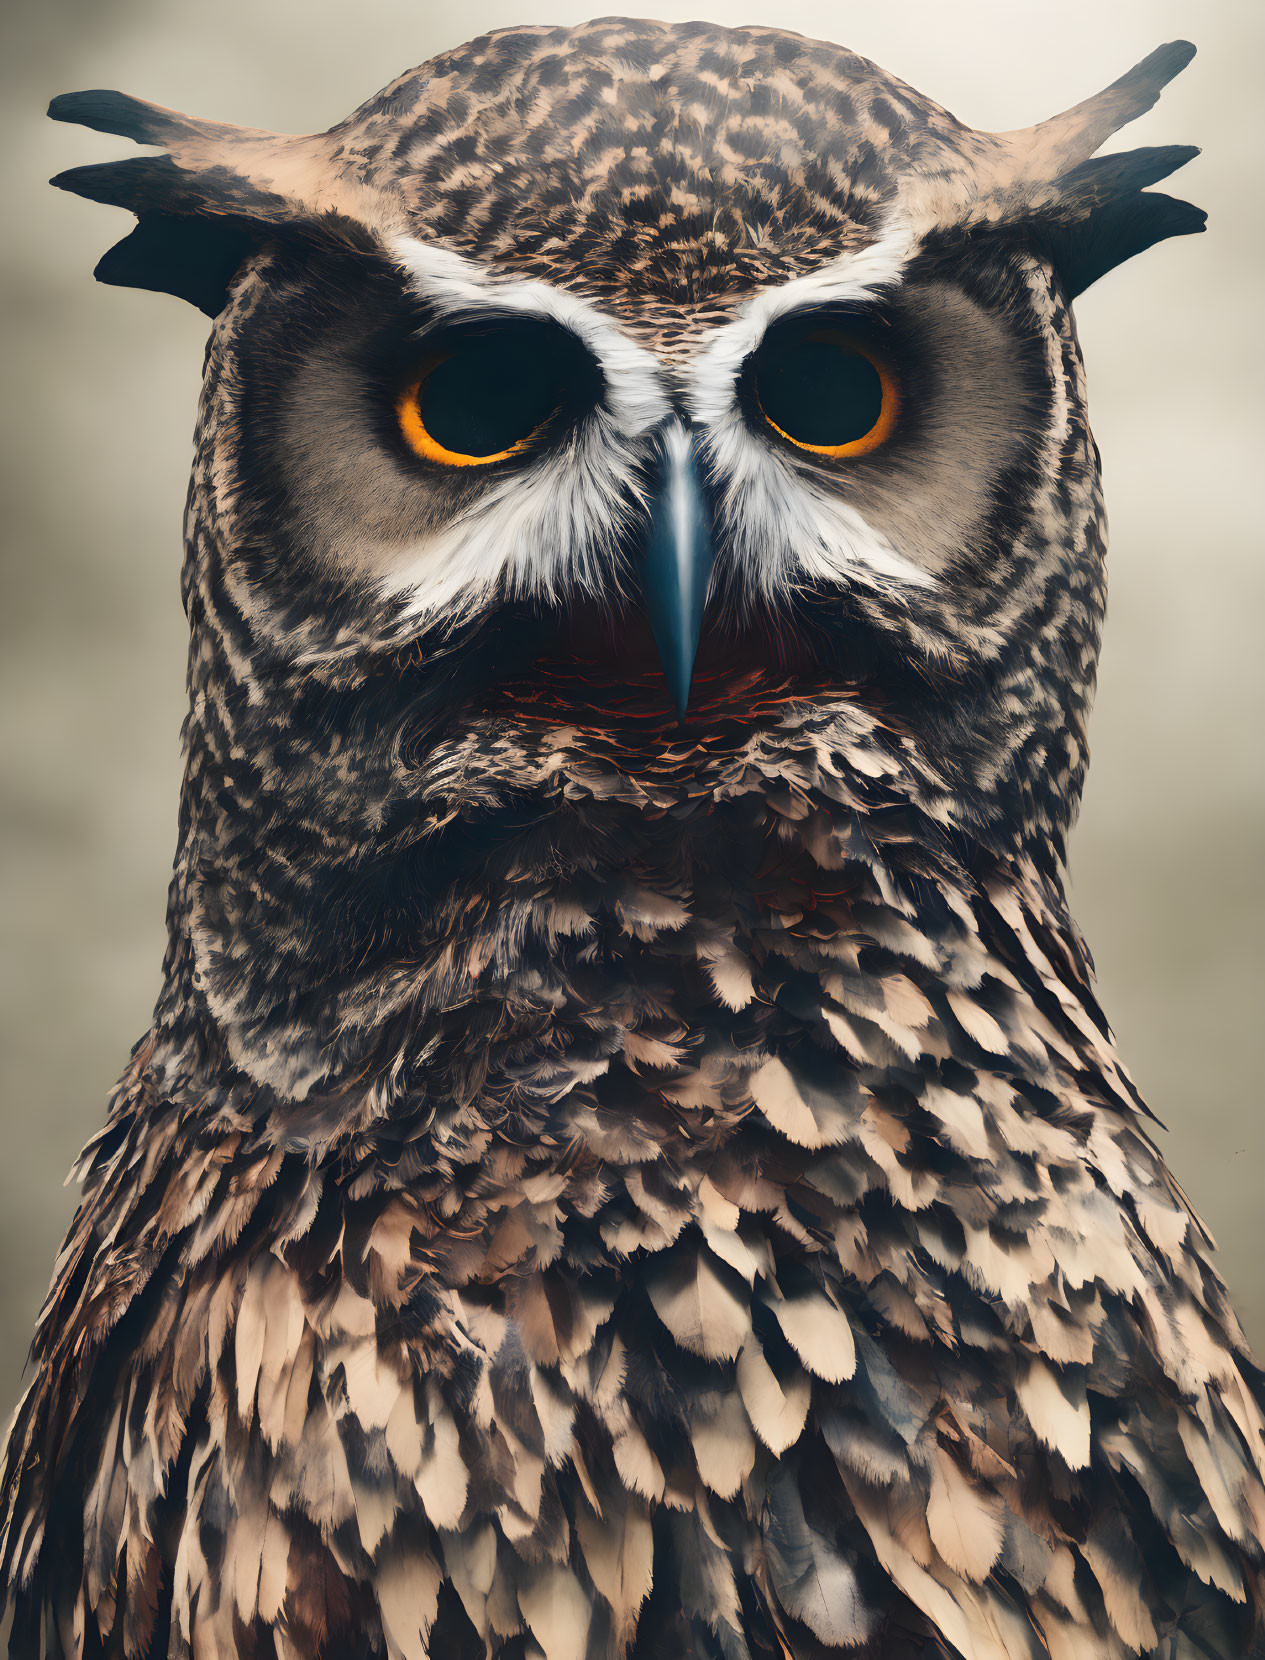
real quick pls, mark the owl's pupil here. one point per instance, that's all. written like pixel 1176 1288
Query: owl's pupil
pixel 819 391
pixel 488 395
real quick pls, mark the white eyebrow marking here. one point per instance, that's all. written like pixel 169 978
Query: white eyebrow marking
pixel 782 523
pixel 852 278
pixel 635 387
pixel 555 524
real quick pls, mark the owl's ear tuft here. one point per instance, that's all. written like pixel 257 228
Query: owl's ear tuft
pixel 1084 252
pixel 116 112
pixel 219 193
pixel 194 259
pixel 1046 186
pixel 183 243
pixel 1065 140
pixel 1103 215
pixel 157 184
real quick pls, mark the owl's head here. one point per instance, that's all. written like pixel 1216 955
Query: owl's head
pixel 652 374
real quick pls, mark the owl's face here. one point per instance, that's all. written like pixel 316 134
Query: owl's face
pixel 431 440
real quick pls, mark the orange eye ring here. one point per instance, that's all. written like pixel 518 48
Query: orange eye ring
pixel 408 412
pixel 889 407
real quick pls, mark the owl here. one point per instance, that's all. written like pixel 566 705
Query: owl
pixel 627 1163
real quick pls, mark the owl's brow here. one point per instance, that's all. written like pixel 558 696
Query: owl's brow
pixel 640 387
pixel 637 390
pixel 856 278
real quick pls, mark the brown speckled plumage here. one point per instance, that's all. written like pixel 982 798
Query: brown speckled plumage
pixel 598 1185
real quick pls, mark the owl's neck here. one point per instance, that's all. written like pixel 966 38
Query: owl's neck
pixel 455 931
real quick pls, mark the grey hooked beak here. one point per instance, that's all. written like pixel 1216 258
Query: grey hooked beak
pixel 677 566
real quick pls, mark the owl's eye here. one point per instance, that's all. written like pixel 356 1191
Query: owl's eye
pixel 482 400
pixel 826 392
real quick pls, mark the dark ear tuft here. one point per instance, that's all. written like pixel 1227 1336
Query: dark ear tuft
pixel 217 193
pixel 1104 215
pixel 1102 177
pixel 156 184
pixel 194 259
pixel 136 183
pixel 1086 250
pixel 176 248
pixel 115 112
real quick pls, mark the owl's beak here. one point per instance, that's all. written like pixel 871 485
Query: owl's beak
pixel 677 564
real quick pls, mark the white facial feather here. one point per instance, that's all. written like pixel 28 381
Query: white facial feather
pixel 452 283
pixel 780 525
pixel 852 279
pixel 552 526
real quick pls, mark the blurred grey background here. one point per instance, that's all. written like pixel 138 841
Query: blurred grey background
pixel 102 385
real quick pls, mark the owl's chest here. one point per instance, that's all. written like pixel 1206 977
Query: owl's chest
pixel 651 1301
